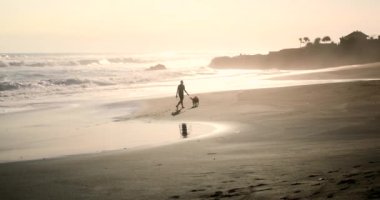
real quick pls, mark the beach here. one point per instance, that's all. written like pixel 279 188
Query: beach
pixel 190 100
pixel 316 141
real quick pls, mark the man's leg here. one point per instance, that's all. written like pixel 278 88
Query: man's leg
pixel 182 101
pixel 179 102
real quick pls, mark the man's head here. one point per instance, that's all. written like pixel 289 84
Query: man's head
pixel 181 81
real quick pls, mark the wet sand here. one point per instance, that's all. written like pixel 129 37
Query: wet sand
pixel 364 71
pixel 302 142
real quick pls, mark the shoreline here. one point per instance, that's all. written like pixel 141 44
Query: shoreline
pixel 248 79
pixel 313 142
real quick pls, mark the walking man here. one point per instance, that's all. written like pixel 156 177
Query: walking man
pixel 180 90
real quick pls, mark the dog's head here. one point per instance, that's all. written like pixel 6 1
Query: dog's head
pixel 195 99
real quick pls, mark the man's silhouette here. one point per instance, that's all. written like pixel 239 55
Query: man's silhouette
pixel 180 90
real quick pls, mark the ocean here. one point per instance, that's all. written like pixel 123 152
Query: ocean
pixel 29 80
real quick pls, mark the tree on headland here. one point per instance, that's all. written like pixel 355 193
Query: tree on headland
pixel 326 39
pixel 304 40
pixel 317 40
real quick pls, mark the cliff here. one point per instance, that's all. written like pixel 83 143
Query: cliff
pixel 350 50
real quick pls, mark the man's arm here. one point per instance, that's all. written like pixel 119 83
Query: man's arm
pixel 176 94
pixel 185 91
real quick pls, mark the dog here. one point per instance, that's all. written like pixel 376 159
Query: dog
pixel 195 101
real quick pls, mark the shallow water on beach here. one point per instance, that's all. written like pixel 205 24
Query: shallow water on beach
pixel 60 132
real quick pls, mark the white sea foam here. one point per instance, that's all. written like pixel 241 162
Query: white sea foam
pixel 27 76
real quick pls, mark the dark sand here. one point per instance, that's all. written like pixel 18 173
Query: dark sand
pixel 304 142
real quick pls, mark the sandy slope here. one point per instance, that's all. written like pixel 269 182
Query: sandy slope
pixel 304 142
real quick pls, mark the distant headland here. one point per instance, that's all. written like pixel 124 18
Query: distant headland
pixel 354 48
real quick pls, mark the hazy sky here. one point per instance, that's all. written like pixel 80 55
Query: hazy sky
pixel 137 26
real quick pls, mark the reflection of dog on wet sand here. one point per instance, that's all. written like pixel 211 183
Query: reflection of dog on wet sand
pixel 195 101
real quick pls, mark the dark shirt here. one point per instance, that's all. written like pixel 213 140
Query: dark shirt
pixel 180 90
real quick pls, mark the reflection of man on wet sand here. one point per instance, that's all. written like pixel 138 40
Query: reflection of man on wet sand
pixel 180 90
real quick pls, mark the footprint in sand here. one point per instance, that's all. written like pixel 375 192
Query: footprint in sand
pixel 220 194
pixel 217 194
pixel 258 185
pixel 289 198
pixel 333 171
pixel 344 188
pixel 351 175
pixel 368 172
pixel 253 187
pixel 198 190
pixel 373 193
pixel 347 181
pixel 232 190
pixel 370 176
pixel 229 181
pixel 261 184
pixel 265 189
pixel 316 193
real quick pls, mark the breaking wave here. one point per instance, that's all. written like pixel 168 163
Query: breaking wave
pixel 25 77
pixel 11 85
pixel 52 61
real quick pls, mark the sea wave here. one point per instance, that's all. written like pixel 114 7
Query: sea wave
pixel 52 61
pixel 2 64
pixel 12 85
pixel 25 77
pixel 75 81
